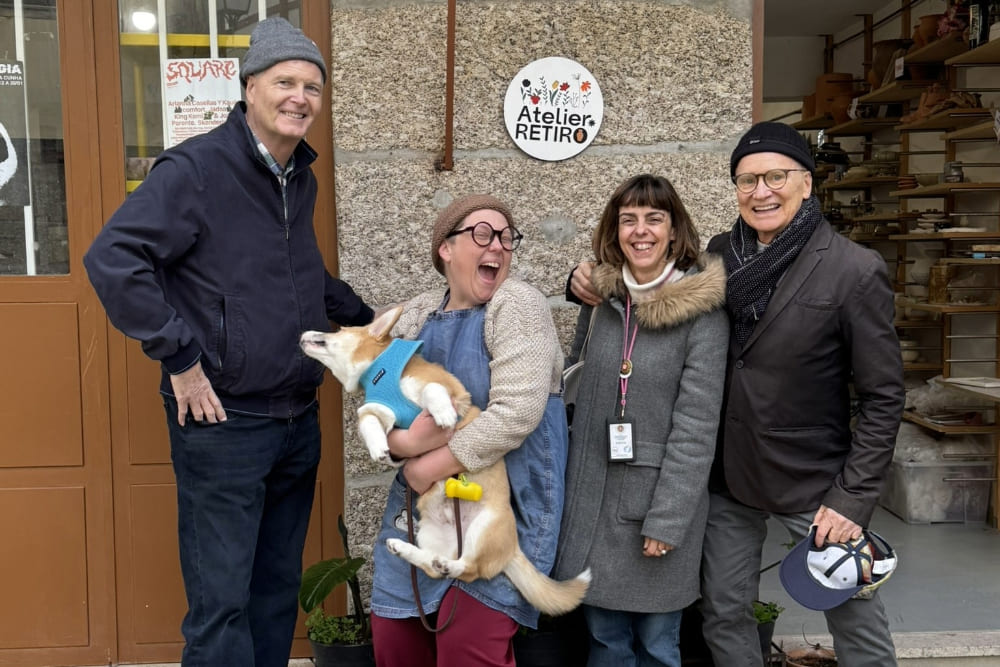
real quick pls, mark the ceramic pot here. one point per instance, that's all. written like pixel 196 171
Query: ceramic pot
pixel 928 27
pixel 829 86
pixel 809 106
pixel 811 657
pixel 340 655
pixel 839 107
pixel 882 59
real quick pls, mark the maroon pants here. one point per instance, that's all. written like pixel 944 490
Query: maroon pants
pixel 477 636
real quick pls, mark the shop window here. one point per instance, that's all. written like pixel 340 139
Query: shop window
pixel 179 65
pixel 33 226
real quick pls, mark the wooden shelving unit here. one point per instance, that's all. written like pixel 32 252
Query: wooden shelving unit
pixel 950 429
pixel 987 54
pixel 949 119
pixel 861 127
pixel 897 91
pixel 820 122
pixel 979 132
pixel 943 190
pixel 938 51
pixel 858 183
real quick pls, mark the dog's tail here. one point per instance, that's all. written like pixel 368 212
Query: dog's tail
pixel 547 595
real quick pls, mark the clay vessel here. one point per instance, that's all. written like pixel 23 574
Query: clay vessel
pixel 928 27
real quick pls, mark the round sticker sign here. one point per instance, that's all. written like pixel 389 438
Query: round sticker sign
pixel 553 108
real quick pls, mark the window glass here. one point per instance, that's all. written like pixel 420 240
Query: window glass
pixel 33 227
pixel 190 31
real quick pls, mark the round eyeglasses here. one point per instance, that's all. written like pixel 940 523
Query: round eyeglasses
pixel 483 235
pixel 774 179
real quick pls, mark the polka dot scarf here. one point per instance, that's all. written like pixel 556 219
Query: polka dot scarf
pixel 753 275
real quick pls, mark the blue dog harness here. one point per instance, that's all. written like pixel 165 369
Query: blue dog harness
pixel 381 381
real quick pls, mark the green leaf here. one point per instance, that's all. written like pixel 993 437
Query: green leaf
pixel 320 579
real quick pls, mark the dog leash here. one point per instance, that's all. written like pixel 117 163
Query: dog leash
pixel 413 568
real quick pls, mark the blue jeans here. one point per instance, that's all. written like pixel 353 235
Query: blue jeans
pixel 244 492
pixel 633 639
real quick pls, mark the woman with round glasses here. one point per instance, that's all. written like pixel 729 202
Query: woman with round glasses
pixel 496 334
pixel 644 425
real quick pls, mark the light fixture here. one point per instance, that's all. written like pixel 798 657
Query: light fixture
pixel 143 21
pixel 230 13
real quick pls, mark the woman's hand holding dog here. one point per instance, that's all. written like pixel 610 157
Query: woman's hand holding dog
pixel 423 471
pixel 422 436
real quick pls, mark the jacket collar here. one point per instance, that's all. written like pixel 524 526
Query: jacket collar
pixel 702 290
pixel 303 153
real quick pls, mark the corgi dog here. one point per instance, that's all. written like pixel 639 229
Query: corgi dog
pixel 489 544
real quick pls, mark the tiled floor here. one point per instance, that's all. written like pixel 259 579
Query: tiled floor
pixel 943 600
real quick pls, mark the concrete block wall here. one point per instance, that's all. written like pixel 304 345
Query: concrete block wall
pixel 676 79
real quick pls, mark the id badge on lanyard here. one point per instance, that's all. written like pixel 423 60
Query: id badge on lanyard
pixel 621 440
pixel 621 431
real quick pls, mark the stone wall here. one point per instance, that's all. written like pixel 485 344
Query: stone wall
pixel 676 80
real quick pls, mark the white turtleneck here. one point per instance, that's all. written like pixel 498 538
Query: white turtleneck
pixel 638 290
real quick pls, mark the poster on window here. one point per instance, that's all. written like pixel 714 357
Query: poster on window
pixel 14 190
pixel 200 92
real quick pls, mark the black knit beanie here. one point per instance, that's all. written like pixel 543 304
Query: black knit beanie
pixel 771 137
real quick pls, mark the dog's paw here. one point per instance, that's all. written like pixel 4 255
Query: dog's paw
pixel 441 567
pixel 444 416
pixel 379 452
pixel 394 545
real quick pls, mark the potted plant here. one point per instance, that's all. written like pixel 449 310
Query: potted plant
pixel 766 614
pixel 337 641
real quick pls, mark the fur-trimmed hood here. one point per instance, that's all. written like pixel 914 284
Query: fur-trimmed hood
pixel 703 289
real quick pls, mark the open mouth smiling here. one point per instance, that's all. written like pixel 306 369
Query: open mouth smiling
pixel 489 270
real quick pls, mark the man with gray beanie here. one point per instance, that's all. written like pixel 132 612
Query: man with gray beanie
pixel 811 316
pixel 212 264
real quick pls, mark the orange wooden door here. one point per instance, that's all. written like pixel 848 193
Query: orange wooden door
pixel 56 552
pixel 88 554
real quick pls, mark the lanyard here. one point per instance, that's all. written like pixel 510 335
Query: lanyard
pixel 627 346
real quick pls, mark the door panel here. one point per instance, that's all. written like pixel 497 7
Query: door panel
pixel 39 355
pixel 57 548
pixel 147 427
pixel 157 610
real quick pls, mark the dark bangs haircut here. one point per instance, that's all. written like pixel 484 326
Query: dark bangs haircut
pixel 655 192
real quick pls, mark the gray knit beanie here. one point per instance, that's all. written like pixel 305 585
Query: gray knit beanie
pixel 275 40
pixel 453 215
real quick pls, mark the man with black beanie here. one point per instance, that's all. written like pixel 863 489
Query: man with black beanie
pixel 212 264
pixel 811 318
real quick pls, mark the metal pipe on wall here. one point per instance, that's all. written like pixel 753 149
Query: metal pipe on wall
pixel 446 162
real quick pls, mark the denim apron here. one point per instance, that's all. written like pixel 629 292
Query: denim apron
pixel 536 471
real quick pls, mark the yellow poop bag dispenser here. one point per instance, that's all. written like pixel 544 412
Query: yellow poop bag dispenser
pixel 462 489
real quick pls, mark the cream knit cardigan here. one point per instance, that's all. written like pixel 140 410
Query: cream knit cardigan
pixel 526 364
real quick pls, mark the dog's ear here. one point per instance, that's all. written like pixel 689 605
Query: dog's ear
pixel 382 324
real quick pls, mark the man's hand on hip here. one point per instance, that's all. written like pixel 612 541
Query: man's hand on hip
pixel 193 391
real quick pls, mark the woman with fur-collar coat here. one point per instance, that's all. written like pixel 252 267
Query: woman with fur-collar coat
pixel 655 366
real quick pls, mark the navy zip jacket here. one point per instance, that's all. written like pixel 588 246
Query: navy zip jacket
pixel 203 262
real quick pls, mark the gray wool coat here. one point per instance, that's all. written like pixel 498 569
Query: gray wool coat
pixel 674 397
